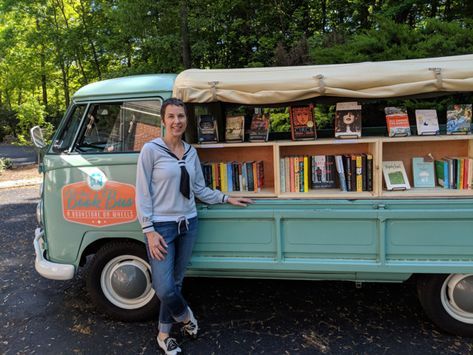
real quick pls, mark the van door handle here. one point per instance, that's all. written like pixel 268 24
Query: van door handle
pixel 380 206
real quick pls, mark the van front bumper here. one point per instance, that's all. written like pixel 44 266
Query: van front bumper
pixel 45 268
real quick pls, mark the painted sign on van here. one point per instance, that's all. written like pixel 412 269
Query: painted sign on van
pixel 99 202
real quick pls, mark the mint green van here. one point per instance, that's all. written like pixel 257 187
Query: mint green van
pixel 87 216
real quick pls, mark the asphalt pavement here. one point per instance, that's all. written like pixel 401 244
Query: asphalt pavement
pixel 237 316
pixel 19 155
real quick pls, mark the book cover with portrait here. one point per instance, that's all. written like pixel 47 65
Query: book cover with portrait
pixel 348 120
pixel 302 122
pixel 459 119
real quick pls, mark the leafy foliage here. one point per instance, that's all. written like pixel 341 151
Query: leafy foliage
pixel 50 48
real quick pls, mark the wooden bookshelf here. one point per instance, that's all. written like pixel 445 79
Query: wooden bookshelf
pixel 382 149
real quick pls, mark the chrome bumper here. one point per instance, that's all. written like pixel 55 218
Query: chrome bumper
pixel 45 268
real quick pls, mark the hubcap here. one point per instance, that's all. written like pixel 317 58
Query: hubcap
pixel 457 297
pixel 126 282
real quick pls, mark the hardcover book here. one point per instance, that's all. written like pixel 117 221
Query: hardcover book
pixel 397 122
pixel 459 119
pixel 348 120
pixel 259 128
pixel 427 122
pixel 235 129
pixel 207 131
pixel 423 172
pixel 395 175
pixel 323 167
pixel 302 122
pixel 441 171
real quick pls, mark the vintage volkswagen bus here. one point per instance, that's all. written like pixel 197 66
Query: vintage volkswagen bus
pixel 87 213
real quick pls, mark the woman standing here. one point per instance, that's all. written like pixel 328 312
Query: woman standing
pixel 169 176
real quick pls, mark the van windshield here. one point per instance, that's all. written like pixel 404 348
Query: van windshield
pixel 65 137
pixel 116 127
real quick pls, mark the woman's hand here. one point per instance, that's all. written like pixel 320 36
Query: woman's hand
pixel 239 201
pixel 156 244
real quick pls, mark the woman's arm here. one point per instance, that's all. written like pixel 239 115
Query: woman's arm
pixel 144 203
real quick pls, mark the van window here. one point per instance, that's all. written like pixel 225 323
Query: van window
pixel 64 138
pixel 119 126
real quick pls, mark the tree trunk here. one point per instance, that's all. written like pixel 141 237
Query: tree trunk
pixel 324 15
pixel 186 48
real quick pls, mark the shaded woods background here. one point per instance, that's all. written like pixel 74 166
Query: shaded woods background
pixel 50 48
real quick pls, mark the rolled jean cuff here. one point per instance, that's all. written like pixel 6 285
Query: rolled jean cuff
pixel 165 327
pixel 183 316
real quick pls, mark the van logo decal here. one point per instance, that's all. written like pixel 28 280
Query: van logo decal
pixel 96 180
pixel 98 202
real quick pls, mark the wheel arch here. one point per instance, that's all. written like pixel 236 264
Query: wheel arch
pixel 93 241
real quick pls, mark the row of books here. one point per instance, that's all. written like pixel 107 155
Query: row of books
pixel 347 172
pixel 234 176
pixel 347 123
pixel 455 173
pixel 450 173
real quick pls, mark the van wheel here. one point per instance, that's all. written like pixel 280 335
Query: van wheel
pixel 448 301
pixel 119 282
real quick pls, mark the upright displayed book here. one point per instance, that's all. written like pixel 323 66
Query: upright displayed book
pixel 323 172
pixel 259 128
pixel 235 129
pixel 459 119
pixel 397 122
pixel 207 131
pixel 348 120
pixel 423 171
pixel 427 122
pixel 395 175
pixel 302 122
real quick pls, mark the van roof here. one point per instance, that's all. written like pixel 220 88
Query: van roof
pixel 136 86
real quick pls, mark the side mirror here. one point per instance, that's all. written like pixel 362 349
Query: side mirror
pixel 37 137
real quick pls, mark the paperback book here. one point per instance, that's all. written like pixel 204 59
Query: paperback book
pixel 207 131
pixel 395 175
pixel 302 122
pixel 427 122
pixel 423 172
pixel 235 129
pixel 259 128
pixel 459 119
pixel 348 120
pixel 397 122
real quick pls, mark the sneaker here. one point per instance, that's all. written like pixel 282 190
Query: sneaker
pixel 191 327
pixel 169 345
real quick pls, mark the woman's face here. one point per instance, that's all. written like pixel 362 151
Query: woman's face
pixel 175 121
pixel 349 118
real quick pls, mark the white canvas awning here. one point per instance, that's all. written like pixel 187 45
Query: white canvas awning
pixel 254 86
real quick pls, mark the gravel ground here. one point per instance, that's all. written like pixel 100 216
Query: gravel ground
pixel 236 316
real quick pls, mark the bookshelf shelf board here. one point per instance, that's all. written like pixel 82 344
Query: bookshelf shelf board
pixel 233 145
pixel 427 192
pixel 328 193
pixel 265 192
pixel 433 138
pixel 327 141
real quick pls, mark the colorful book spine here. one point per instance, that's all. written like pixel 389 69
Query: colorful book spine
pixel 282 174
pixel 229 177
pixel 287 174
pixel 359 174
pixel 249 172
pixel 292 173
pixel 306 174
pixel 297 179
pixel 341 172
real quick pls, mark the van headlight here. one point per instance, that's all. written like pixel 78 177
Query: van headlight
pixel 39 213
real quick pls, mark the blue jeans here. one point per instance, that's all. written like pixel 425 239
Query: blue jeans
pixel 168 274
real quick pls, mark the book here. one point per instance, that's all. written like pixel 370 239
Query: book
pixel 348 120
pixel 397 122
pixel 323 171
pixel 369 172
pixel 306 174
pixel 459 119
pixel 282 174
pixel 302 122
pixel 423 172
pixel 427 122
pixel 230 182
pixel 235 129
pixel 395 175
pixel 347 167
pixel 441 172
pixel 287 174
pixel 207 131
pixel 341 172
pixel 259 128
pixel 359 173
